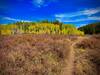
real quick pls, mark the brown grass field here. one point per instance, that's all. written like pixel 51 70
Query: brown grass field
pixel 28 54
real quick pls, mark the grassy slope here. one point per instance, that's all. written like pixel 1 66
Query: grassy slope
pixel 87 58
pixel 33 54
pixel 49 55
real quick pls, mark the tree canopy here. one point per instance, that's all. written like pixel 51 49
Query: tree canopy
pixel 93 28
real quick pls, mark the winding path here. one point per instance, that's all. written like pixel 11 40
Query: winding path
pixel 69 70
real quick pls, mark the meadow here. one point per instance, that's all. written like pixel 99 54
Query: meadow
pixel 48 49
pixel 46 54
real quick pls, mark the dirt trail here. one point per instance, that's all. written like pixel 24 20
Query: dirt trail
pixel 69 70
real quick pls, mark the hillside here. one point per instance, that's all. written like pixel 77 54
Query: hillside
pixel 93 28
pixel 39 28
pixel 28 54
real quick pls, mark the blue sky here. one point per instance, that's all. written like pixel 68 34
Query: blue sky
pixel 78 12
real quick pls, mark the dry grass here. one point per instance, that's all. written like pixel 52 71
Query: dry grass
pixel 88 56
pixel 33 54
pixel 49 55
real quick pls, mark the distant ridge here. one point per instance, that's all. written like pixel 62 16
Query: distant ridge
pixel 93 28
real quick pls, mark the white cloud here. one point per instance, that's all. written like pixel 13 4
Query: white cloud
pixel 38 3
pixel 90 12
pixel 80 25
pixel 41 3
pixel 8 18
pixel 94 18
pixel 67 15
pixel 13 19
pixel 87 12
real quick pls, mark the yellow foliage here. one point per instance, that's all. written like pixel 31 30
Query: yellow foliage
pixel 40 28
